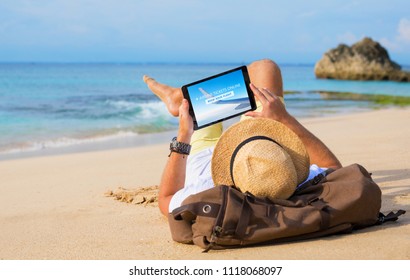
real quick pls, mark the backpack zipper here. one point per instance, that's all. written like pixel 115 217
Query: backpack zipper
pixel 217 230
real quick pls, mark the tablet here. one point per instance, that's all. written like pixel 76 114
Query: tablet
pixel 219 97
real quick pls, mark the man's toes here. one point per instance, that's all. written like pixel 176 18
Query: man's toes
pixel 145 78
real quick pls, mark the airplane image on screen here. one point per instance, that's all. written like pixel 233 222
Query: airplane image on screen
pixel 242 102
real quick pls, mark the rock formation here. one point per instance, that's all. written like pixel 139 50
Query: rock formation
pixel 365 60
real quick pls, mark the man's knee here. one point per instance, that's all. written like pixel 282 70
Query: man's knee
pixel 264 65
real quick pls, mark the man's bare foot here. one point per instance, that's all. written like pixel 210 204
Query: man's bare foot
pixel 172 97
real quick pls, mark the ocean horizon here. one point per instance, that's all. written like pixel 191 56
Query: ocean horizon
pixel 49 105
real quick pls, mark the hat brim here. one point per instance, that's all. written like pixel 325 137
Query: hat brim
pixel 245 129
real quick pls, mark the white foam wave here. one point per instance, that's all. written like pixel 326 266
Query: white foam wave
pixel 65 142
pixel 123 105
pixel 142 111
pixel 153 110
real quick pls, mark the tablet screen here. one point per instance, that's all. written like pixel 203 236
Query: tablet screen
pixel 219 97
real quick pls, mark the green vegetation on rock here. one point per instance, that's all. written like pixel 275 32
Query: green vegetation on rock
pixel 376 98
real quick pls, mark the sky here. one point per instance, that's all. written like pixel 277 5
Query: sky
pixel 208 31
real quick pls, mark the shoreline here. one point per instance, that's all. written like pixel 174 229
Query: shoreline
pixel 54 207
pixel 128 139
pixel 94 145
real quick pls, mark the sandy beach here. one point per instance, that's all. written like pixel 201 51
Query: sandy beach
pixel 55 207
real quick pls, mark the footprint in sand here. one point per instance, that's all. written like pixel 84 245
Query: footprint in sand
pixel 146 195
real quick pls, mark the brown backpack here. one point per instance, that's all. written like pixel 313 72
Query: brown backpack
pixel 222 217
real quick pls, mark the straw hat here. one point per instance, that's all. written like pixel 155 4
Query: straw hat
pixel 261 156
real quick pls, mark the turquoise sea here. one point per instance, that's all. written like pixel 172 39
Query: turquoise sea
pixel 44 106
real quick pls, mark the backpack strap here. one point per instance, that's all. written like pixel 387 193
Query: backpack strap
pixel 314 181
pixel 389 217
pixel 243 222
pixel 190 211
pixel 322 206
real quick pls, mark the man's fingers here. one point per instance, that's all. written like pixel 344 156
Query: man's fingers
pixel 185 122
pixel 258 94
pixel 263 94
pixel 253 114
pixel 270 96
pixel 184 108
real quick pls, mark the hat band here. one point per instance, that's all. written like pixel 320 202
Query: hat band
pixel 243 143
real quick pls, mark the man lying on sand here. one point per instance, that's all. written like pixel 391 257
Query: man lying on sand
pixel 185 175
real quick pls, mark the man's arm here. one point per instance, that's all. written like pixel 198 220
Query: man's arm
pixel 319 153
pixel 274 109
pixel 173 177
